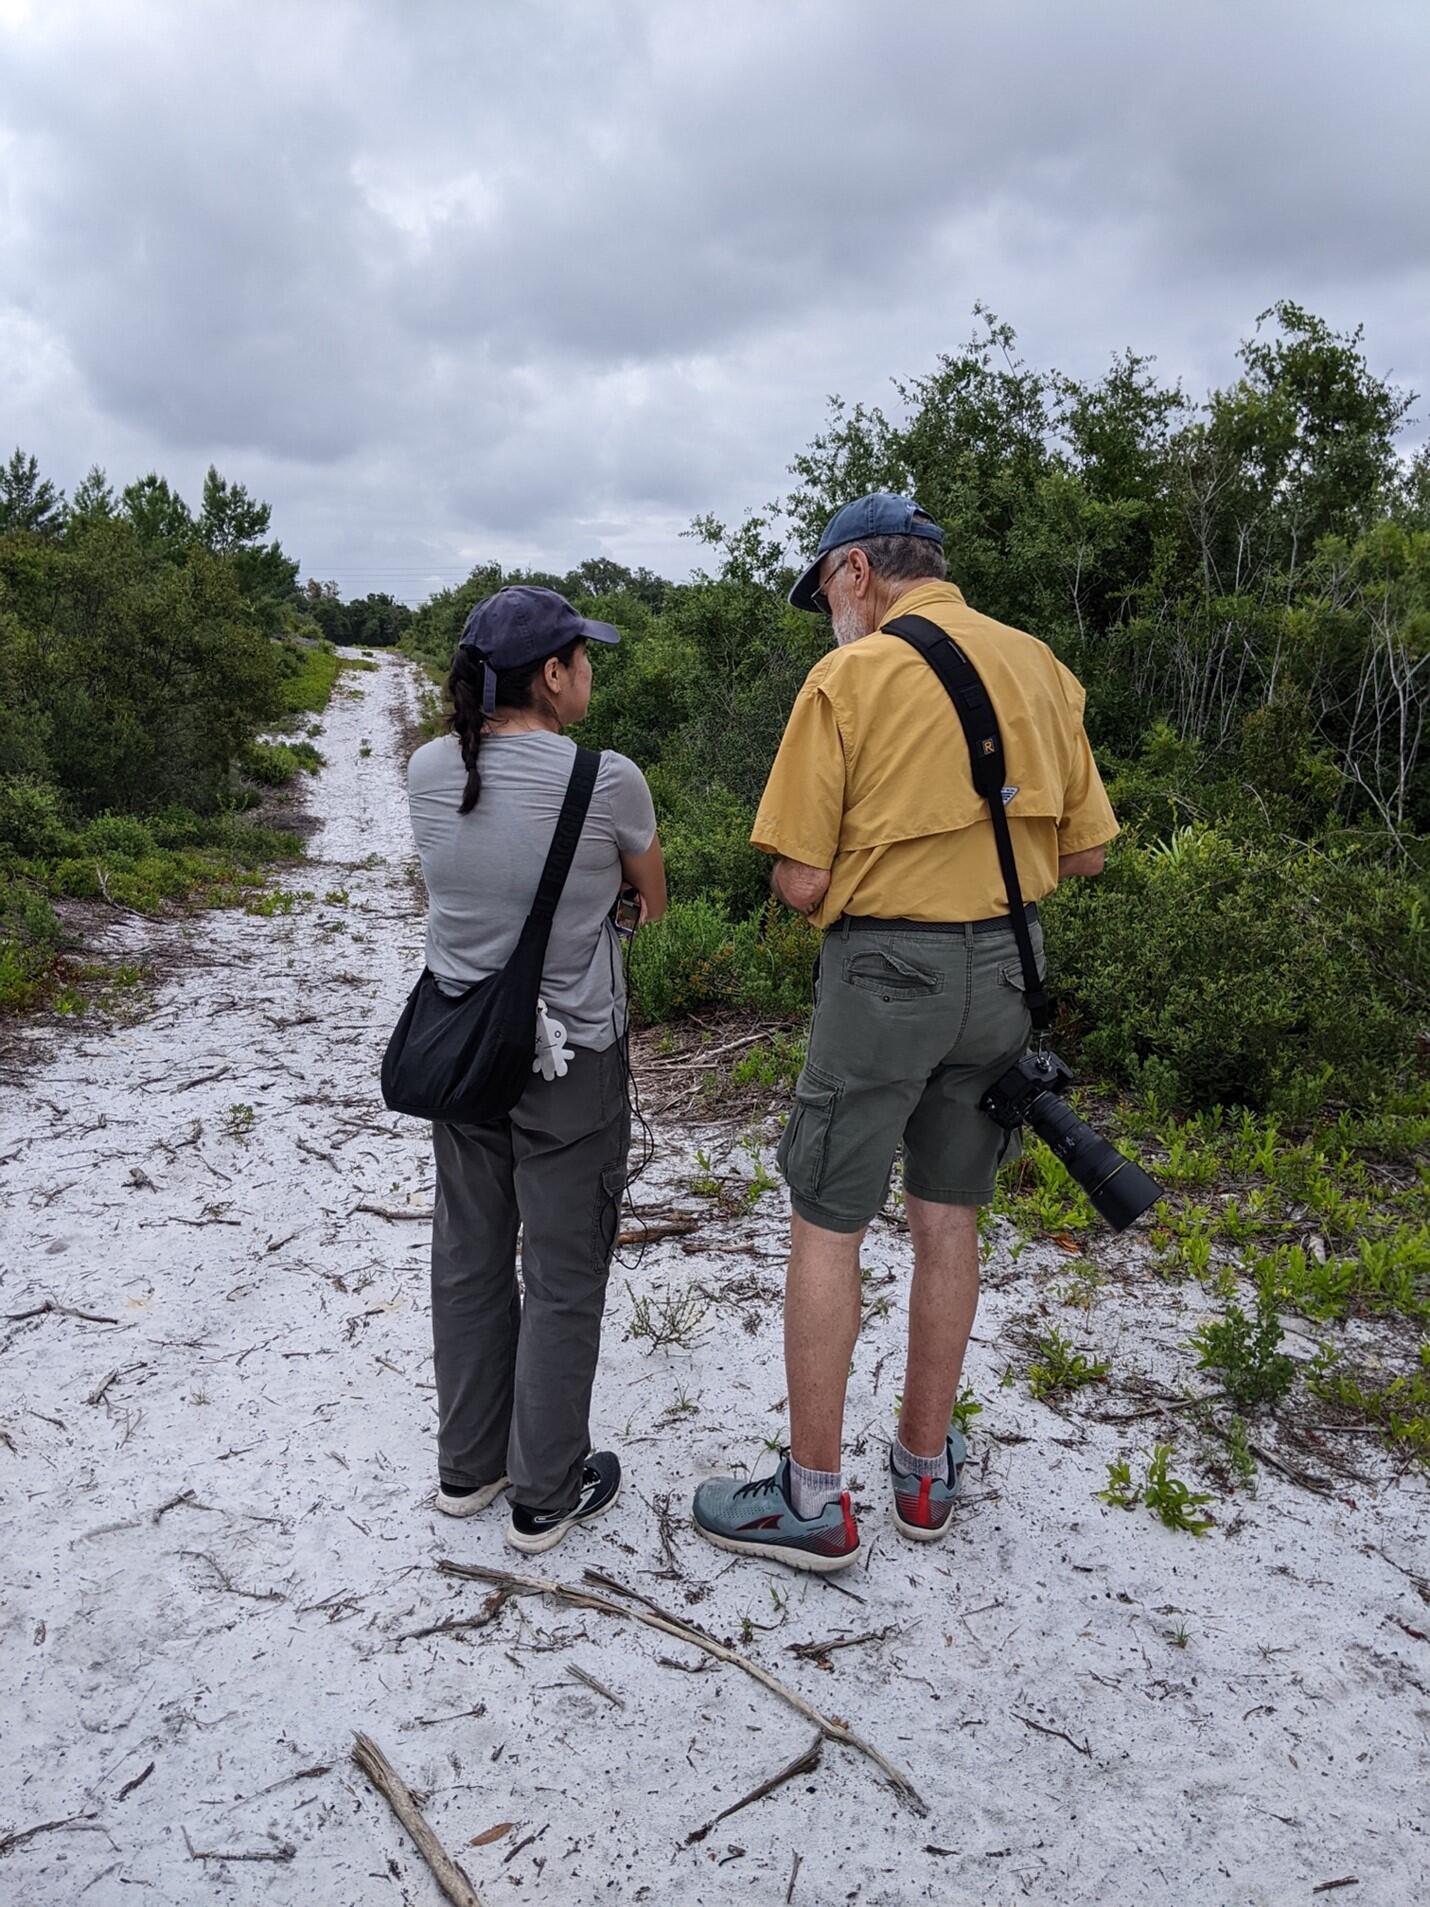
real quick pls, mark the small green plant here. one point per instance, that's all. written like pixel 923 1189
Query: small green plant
pixel 1085 1280
pixel 336 897
pixel 1239 1455
pixel 1173 1502
pixel 1166 1495
pixel 1121 1491
pixel 965 1408
pixel 365 749
pixel 667 1319
pixel 706 1183
pixel 1243 1354
pixel 238 1121
pixel 1059 1366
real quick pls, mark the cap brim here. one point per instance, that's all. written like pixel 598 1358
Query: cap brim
pixel 599 631
pixel 802 595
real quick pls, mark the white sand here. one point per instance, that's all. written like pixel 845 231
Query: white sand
pixel 273 1389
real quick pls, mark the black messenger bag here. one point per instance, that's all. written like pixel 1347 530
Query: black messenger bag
pixel 466 1058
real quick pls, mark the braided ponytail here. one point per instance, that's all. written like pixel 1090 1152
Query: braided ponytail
pixel 515 689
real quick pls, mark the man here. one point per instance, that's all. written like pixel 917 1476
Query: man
pixel 919 998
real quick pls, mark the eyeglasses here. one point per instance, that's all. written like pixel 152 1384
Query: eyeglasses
pixel 818 597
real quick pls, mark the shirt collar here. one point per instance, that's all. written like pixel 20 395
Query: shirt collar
pixel 926 595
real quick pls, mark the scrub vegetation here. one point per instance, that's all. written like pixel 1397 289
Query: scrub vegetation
pixel 144 649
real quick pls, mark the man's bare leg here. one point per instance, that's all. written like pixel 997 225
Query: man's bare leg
pixel 942 1302
pixel 821 1325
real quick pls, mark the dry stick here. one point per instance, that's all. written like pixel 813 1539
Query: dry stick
pixel 398 1796
pixel 795 1866
pixel 804 1764
pixel 137 1782
pixel 583 1675
pixel 59 1310
pixel 656 1618
pixel 812 1651
pixel 283 1852
pixel 1060 1734
pixel 393 1211
pixel 7 1841
pixel 673 1228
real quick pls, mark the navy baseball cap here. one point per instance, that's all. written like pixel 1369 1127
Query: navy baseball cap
pixel 876 515
pixel 522 624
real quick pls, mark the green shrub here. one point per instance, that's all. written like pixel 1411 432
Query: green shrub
pixel 697 957
pixel 309 672
pixel 31 824
pixel 116 835
pixel 29 940
pixel 276 763
pixel 1217 971
pixel 1245 1355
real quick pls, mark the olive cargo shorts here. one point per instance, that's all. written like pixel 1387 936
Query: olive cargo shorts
pixel 910 1029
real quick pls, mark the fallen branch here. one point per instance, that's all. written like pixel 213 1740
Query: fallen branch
pixel 660 1619
pixel 804 1764
pixel 669 1228
pixel 398 1796
pixel 137 1782
pixel 226 1582
pixel 393 1211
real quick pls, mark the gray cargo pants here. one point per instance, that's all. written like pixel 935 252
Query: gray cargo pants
pixel 514 1372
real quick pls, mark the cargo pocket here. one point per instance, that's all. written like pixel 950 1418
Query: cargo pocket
pixel 610 1194
pixel 804 1149
pixel 891 977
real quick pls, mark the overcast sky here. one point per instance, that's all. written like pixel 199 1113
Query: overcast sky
pixel 542 279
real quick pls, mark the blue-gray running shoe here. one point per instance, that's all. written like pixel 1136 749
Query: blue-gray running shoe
pixel 758 1519
pixel 923 1506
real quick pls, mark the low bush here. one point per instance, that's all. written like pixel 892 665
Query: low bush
pixel 1212 970
pixel 698 957
pixel 29 940
pixel 275 763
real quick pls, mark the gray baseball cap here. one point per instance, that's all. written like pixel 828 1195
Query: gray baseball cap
pixel 878 514
pixel 522 624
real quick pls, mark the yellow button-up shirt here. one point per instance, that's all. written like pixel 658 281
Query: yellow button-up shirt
pixel 872 778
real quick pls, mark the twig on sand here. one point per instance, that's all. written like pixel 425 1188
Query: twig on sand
pixel 654 1617
pixel 394 1211
pixel 137 1782
pixel 804 1764
pixel 1061 1734
pixel 20 1835
pixel 59 1310
pixel 226 1582
pixel 584 1675
pixel 282 1853
pixel 663 1228
pixel 399 1797
pixel 794 1868
pixel 1346 1880
pixel 817 1651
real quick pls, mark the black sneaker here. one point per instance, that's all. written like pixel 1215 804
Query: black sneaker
pixel 531 1530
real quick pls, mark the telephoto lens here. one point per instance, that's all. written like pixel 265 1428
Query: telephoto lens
pixel 1118 1188
pixel 1031 1093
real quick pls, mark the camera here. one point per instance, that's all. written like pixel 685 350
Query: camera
pixel 1031 1093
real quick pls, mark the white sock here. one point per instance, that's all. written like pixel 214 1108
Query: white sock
pixel 810 1490
pixel 908 1465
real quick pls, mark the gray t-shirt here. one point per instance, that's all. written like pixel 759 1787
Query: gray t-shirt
pixel 482 869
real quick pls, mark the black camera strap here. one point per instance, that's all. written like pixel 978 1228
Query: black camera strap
pixel 985 754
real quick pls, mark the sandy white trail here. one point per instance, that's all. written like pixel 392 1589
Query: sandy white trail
pixel 217 1565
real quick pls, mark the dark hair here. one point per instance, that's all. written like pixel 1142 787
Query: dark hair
pixel 898 557
pixel 515 689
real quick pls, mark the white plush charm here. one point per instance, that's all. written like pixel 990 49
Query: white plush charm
pixel 553 1055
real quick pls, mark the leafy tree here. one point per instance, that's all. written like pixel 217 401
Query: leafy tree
pixel 93 500
pixel 230 519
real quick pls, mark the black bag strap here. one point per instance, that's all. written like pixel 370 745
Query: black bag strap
pixel 985 753
pixel 562 851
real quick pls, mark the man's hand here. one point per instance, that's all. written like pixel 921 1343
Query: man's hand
pixel 798 886
pixel 1090 861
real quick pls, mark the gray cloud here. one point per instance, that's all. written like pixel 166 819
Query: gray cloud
pixel 541 280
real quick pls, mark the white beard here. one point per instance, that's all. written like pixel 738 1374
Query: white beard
pixel 850 625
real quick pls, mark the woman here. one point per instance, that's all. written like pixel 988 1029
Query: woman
pixel 514 1373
